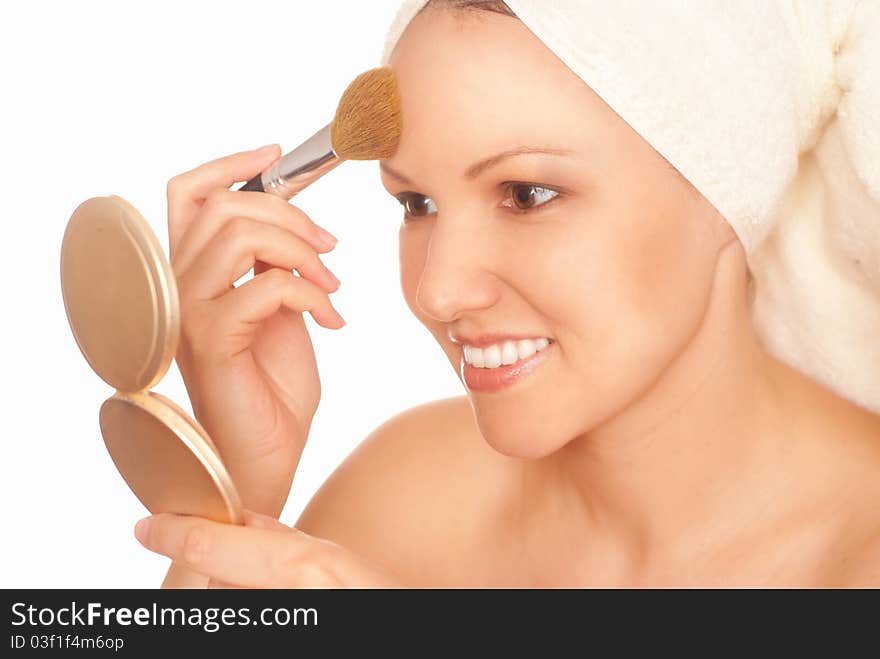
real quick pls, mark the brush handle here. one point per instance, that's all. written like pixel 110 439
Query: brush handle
pixel 254 185
pixel 297 169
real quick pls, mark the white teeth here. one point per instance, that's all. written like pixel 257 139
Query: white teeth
pixel 492 356
pixel 505 353
pixel 473 356
pixel 509 353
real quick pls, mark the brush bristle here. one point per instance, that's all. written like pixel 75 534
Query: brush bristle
pixel 367 124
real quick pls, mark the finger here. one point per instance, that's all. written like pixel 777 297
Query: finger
pixel 240 555
pixel 259 520
pixel 221 205
pixel 263 295
pixel 214 584
pixel 234 250
pixel 186 191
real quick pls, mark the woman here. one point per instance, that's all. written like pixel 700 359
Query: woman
pixel 653 441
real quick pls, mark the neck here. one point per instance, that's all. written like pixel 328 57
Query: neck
pixel 691 458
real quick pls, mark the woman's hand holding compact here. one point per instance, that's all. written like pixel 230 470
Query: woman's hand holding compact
pixel 264 553
pixel 245 353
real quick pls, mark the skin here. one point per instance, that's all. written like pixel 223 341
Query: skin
pixel 658 443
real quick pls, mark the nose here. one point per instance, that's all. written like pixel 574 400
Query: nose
pixel 457 275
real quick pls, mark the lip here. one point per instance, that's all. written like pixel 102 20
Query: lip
pixel 495 379
pixel 485 340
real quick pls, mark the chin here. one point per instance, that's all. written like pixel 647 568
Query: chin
pixel 525 448
pixel 514 441
pixel 524 430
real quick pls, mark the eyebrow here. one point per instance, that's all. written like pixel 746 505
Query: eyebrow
pixel 480 167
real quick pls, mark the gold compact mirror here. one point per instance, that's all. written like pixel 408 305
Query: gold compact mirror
pixel 121 302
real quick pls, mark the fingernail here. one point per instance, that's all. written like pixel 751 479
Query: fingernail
pixel 141 529
pixel 326 237
pixel 268 147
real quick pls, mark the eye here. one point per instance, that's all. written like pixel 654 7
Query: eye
pixel 528 196
pixel 416 205
pixel 525 198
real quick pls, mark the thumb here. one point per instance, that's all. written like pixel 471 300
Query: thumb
pixel 261 521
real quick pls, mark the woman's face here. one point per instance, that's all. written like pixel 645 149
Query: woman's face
pixel 611 254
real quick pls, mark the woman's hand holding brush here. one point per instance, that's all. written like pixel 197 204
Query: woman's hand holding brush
pixel 245 353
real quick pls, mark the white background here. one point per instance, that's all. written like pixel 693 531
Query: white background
pixel 107 98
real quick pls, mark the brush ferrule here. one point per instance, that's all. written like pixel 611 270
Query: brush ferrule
pixel 306 163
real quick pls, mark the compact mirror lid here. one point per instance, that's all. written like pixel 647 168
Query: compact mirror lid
pixel 119 294
pixel 167 459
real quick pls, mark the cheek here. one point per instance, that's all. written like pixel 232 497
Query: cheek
pixel 667 269
pixel 642 292
pixel 656 249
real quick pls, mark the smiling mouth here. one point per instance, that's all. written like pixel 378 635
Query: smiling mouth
pixel 504 353
pixel 491 379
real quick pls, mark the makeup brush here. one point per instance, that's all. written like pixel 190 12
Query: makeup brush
pixel 366 126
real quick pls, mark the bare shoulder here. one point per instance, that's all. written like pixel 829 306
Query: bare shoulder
pixel 864 568
pixel 860 559
pixel 412 492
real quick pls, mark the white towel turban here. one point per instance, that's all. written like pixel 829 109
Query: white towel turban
pixel 771 109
